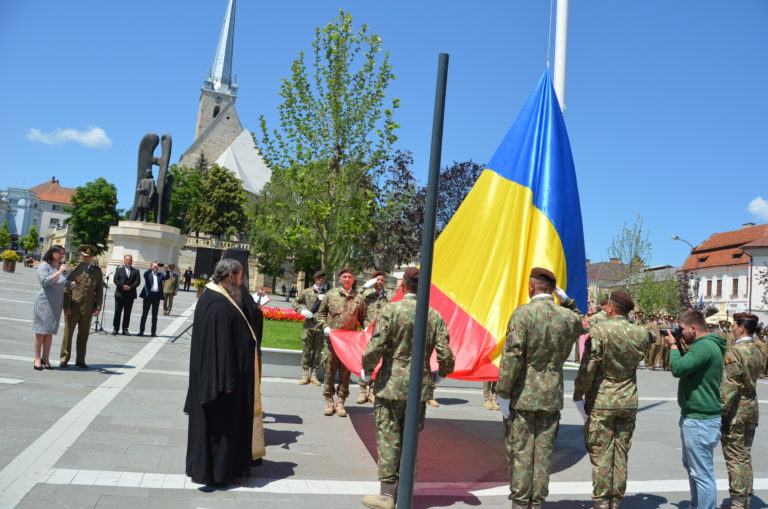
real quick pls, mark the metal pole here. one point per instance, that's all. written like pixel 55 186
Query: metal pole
pixel 413 406
pixel 561 49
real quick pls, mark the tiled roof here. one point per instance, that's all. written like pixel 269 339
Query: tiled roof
pixel 723 249
pixel 761 242
pixel 52 191
pixel 606 271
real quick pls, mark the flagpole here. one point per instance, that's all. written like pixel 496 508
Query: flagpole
pixel 413 405
pixel 561 49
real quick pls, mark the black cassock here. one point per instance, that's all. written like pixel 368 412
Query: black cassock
pixel 221 393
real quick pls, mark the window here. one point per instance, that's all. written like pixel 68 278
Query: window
pixel 55 207
pixel 13 201
pixel 709 288
pixel 216 111
pixel 746 286
pixel 735 290
pixel 54 222
pixel 719 288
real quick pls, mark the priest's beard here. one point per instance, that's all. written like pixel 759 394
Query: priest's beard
pixel 232 289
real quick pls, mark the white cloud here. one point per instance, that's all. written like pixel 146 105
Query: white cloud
pixel 95 137
pixel 759 208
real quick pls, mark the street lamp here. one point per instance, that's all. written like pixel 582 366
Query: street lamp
pixel 696 285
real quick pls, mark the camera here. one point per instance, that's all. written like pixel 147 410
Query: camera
pixel 676 331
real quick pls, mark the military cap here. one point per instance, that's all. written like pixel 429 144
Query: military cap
pixel 738 317
pixel 623 298
pixel 411 276
pixel 378 273
pixel 319 274
pixel 669 317
pixel 723 322
pixel 346 270
pixel 543 274
pixel 639 313
pixel 657 315
pixel 87 249
pixel 710 325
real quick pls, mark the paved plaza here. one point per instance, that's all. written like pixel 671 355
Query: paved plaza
pixel 115 435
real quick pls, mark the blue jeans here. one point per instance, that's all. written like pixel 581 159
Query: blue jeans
pixel 699 438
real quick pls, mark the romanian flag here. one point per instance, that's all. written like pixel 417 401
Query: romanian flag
pixel 522 212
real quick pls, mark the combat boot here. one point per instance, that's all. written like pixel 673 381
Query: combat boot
pixel 363 396
pixel 313 379
pixel 739 502
pixel 601 504
pixel 433 403
pixel 304 377
pixel 487 402
pixel 384 500
pixel 340 410
pixel 515 505
pixel 328 405
pixel 371 394
pixel 615 503
pixel 495 404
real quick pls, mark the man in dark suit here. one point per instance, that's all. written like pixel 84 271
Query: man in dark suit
pixel 152 293
pixel 126 280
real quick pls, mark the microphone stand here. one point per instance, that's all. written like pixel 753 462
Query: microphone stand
pixel 99 322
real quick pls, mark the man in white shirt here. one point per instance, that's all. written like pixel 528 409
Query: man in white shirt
pixel 152 293
pixel 126 281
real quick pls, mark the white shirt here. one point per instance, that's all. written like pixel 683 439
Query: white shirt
pixel 155 285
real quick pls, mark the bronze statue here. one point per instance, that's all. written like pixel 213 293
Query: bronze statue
pixel 148 196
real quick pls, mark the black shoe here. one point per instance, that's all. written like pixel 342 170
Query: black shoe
pixel 257 462
pixel 114 332
pixel 81 365
pixel 154 334
pixel 126 333
pixel 37 368
pixel 63 364
pixel 140 334
pixel 210 488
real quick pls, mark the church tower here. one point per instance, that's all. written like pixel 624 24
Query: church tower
pixel 219 90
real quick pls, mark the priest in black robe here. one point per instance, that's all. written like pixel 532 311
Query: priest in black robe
pixel 223 377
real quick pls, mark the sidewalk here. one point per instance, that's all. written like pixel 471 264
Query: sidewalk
pixel 115 435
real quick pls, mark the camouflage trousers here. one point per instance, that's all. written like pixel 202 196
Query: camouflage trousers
pixel 312 348
pixel 608 437
pixel 332 365
pixel 389 415
pixel 489 389
pixel 530 441
pixel 737 446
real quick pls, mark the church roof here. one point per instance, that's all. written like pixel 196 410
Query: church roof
pixel 243 158
pixel 220 76
pixel 52 191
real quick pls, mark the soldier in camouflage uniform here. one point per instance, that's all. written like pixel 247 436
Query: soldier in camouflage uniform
pixel 342 309
pixel 669 322
pixel 540 336
pixel 490 395
pixel 392 343
pixel 606 386
pixel 743 363
pixel 654 349
pixel 81 304
pixel 762 343
pixel 312 337
pixel 375 297
pixel 600 315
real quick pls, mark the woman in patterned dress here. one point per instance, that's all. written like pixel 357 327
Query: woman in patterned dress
pixel 52 274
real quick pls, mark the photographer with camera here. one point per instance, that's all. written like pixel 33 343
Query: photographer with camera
pixel 152 293
pixel 312 338
pixel 743 363
pixel 698 395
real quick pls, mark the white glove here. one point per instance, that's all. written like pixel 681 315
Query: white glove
pixel 580 407
pixel 503 406
pixel 370 283
pixel 364 377
pixel 306 313
pixel 436 378
pixel 327 331
pixel 560 293
pixel 320 297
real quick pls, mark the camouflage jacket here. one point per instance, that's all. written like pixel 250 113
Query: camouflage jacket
pixel 88 292
pixel 342 311
pixel 374 302
pixel 743 363
pixel 606 378
pixel 307 300
pixel 392 342
pixel 540 336
pixel 598 317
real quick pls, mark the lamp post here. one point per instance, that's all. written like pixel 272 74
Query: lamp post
pixel 696 284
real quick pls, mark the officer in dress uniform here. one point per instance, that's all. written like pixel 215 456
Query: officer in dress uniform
pixel 81 304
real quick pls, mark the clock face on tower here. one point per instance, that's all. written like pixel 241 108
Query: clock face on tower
pixel 218 100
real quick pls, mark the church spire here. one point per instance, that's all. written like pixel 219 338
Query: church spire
pixel 220 77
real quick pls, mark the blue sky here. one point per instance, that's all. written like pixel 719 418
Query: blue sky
pixel 666 106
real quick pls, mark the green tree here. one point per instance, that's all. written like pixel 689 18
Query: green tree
pixel 655 295
pixel 335 136
pixel 222 211
pixel 30 242
pixel 5 236
pixel 631 247
pixel 187 196
pixel 93 212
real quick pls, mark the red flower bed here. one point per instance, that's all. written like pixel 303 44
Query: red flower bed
pixel 282 314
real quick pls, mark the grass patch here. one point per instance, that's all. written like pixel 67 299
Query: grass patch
pixel 282 334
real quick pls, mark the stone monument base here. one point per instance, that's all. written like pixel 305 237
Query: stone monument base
pixel 145 242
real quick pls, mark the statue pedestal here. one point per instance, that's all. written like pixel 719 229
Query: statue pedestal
pixel 145 242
